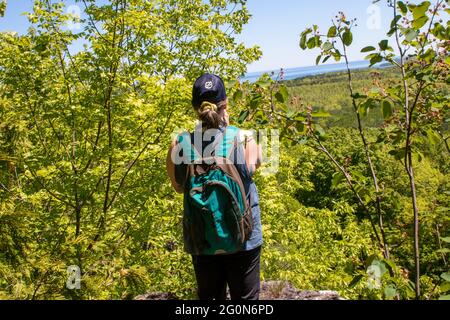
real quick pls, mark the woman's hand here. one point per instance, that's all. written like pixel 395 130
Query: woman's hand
pixel 253 153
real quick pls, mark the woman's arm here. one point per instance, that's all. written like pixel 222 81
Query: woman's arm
pixel 253 154
pixel 170 166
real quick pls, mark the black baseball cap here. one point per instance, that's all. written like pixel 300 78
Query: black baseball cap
pixel 208 87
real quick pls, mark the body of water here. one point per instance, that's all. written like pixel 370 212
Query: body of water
pixel 301 72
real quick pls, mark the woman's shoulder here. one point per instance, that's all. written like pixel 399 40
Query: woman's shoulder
pixel 242 134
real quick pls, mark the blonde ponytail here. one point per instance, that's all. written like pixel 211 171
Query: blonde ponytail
pixel 208 106
pixel 209 114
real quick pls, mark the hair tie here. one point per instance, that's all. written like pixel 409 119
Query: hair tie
pixel 208 106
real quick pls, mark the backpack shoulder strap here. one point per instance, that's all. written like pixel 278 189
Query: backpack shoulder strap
pixel 228 142
pixel 190 153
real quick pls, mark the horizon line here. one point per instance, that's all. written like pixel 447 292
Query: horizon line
pixel 307 66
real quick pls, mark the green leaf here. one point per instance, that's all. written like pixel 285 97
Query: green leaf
pixel 398 154
pixel 303 141
pixel 337 178
pixel 243 116
pixel 428 56
pixel 363 110
pixel 357 95
pixel 420 22
pixel 303 38
pixel 419 10
pixel 368 49
pixel 375 59
pixel 365 106
pixel 391 265
pixel 383 45
pixel 319 130
pixel 318 59
pixel 347 38
pixel 433 137
pixel 303 41
pixel 446 239
pixel 261 118
pixel 313 42
pixel 237 95
pixel 387 109
pixel 282 95
pixel 327 46
pixel 394 23
pixel 320 115
pixel 418 156
pixel 264 82
pixel 390 292
pixel 332 32
pixel 370 260
pixel 355 281
pixel 439 31
pixel 446 276
pixel 445 286
pixel 301 128
pixel 358 177
pixel 446 297
pixel 380 265
pixel 337 56
pixel 411 34
pixel 403 8
pixel 2 7
pixel 256 100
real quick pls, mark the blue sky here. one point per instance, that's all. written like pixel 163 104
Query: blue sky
pixel 276 25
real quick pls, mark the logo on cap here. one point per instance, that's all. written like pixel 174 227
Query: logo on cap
pixel 208 85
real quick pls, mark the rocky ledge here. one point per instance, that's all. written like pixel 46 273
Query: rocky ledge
pixel 270 290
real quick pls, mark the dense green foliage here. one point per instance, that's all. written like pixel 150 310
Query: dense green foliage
pixel 322 229
pixel 333 93
pixel 414 109
pixel 84 138
pixel 407 107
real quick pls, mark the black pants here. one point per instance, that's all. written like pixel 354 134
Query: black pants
pixel 239 270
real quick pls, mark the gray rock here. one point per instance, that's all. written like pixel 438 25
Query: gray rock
pixel 157 296
pixel 283 290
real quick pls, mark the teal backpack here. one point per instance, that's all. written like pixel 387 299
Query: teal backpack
pixel 217 217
